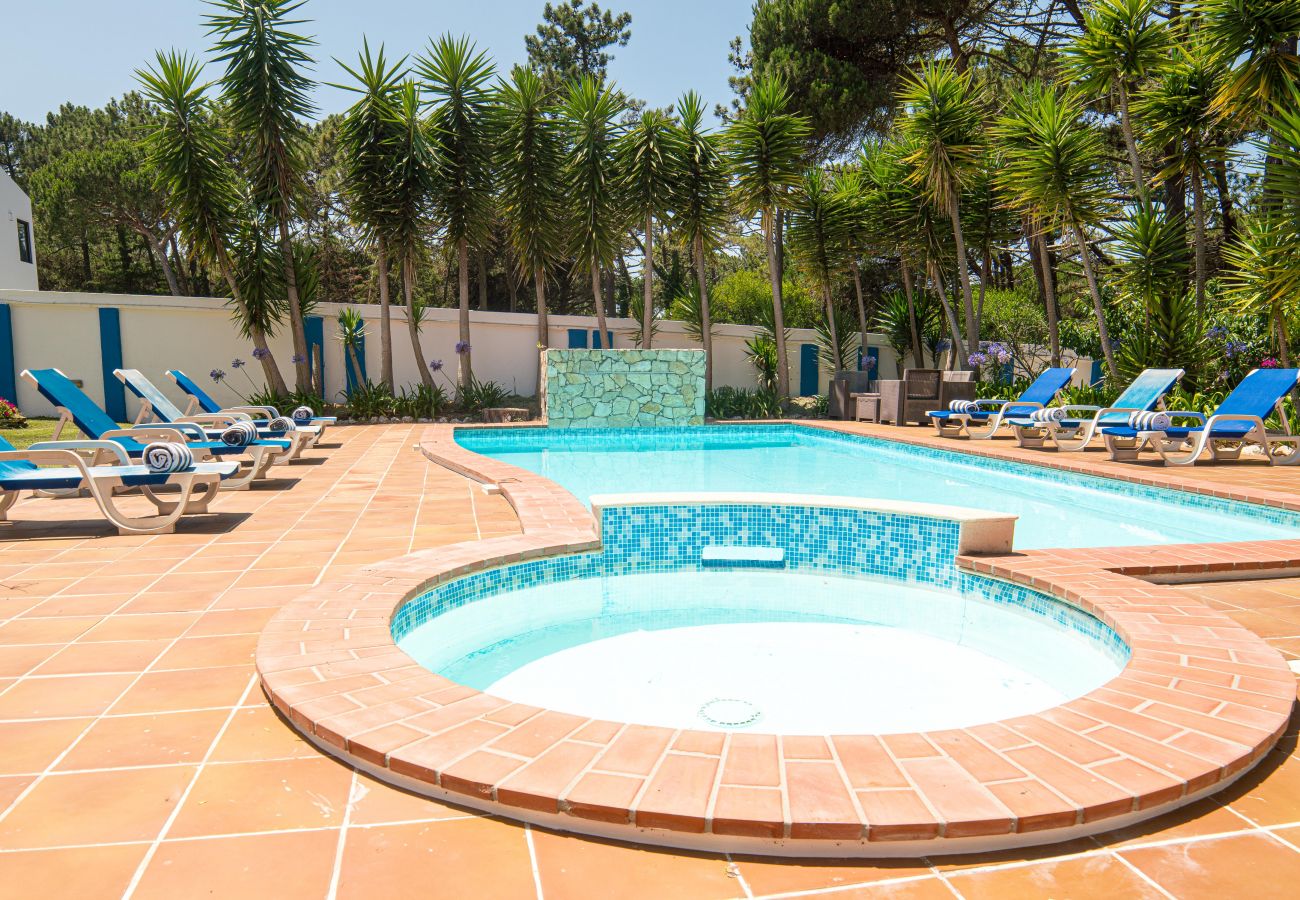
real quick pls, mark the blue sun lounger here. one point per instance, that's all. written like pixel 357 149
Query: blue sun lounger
pixel 62 467
pixel 75 407
pixel 154 404
pixel 1238 421
pixel 1077 429
pixel 983 422
pixel 200 401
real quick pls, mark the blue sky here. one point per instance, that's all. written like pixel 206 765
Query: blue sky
pixel 85 51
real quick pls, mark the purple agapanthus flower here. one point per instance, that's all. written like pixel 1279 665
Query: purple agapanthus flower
pixel 298 358
pixel 216 375
pixel 976 360
pixel 1233 349
pixel 462 347
pixel 944 344
pixel 1217 333
pixel 435 365
pixel 261 353
pixel 236 364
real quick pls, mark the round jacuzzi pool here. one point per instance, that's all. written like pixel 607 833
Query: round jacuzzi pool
pixel 768 650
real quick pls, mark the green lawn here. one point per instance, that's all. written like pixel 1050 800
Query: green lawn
pixel 36 430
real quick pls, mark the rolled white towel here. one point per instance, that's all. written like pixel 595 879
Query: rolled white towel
pixel 1051 414
pixel 163 456
pixel 240 434
pixel 963 406
pixel 282 423
pixel 303 414
pixel 1149 421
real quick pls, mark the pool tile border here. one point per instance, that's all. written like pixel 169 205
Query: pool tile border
pixel 1200 702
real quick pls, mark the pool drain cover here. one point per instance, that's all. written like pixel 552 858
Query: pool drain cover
pixel 729 713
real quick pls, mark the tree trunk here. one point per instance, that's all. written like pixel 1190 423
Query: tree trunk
pixel 270 370
pixel 178 263
pixel 302 366
pixel 1102 333
pixel 1135 161
pixel 543 325
pixel 408 294
pixel 85 259
pixel 648 279
pixel 465 370
pixel 706 325
pixel 482 280
pixel 771 225
pixel 862 305
pixel 918 353
pixel 936 275
pixel 1226 213
pixel 159 252
pixel 1039 241
pixel 828 307
pixel 1198 236
pixel 963 275
pixel 598 297
pixel 386 320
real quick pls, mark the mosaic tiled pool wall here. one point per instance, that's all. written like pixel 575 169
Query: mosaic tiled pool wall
pixel 846 542
pixel 488 441
pixel 623 388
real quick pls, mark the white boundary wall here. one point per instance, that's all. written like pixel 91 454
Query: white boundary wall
pixel 197 334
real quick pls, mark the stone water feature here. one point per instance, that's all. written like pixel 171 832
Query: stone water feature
pixel 623 388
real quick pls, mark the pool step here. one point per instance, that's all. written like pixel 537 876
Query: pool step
pixel 751 557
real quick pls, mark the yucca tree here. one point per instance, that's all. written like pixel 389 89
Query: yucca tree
pixel 767 144
pixel 265 96
pixel 530 157
pixel 644 155
pixel 1255 39
pixel 699 201
pixel 188 157
pixel 1264 277
pixel 1122 43
pixel 850 183
pixel 944 122
pixel 407 213
pixel 458 78
pixel 1054 170
pixel 1176 111
pixel 888 199
pixel 592 185
pixel 366 139
pixel 819 223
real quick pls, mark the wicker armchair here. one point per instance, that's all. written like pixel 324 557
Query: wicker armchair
pixel 907 400
pixel 956 386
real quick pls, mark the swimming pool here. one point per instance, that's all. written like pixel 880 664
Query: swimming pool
pixel 1056 508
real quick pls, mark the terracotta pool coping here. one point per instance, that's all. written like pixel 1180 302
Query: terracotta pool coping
pixel 1201 700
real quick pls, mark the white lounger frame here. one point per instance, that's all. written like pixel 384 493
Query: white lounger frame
pixel 1184 451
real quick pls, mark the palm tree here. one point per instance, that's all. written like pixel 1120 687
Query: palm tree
pixel 1256 39
pixel 851 184
pixel 591 182
pixel 1176 112
pixel 1264 276
pixel 644 156
pixel 944 122
pixel 819 221
pixel 699 201
pixel 1054 170
pixel 767 146
pixel 1123 42
pixel 457 76
pixel 188 158
pixel 265 97
pixel 365 141
pixel 530 171
pixel 406 216
pixel 889 200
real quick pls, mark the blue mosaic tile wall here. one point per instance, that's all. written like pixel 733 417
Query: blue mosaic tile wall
pixel 864 543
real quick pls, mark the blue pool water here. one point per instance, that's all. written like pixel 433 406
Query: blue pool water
pixel 789 652
pixel 1056 509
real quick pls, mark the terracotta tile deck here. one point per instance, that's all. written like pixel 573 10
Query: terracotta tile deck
pixel 114 781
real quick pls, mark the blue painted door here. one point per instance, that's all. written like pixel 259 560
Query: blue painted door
pixel 808 375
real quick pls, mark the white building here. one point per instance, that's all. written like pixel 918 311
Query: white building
pixel 17 240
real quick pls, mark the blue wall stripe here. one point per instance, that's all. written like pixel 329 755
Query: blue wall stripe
pixel 808 379
pixel 596 342
pixel 110 357
pixel 314 328
pixel 8 381
pixel 577 339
